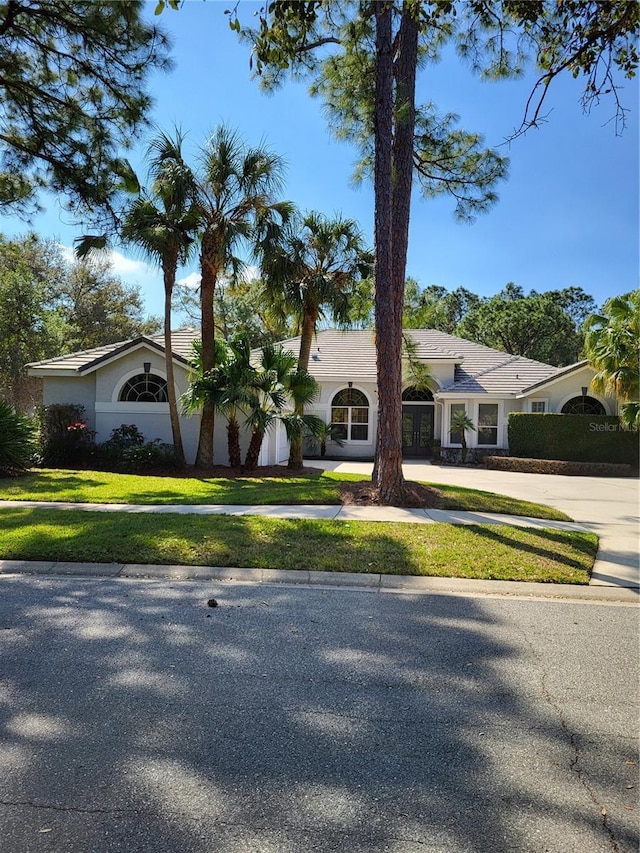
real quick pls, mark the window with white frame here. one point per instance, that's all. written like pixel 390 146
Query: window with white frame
pixel 488 424
pixel 538 407
pixel 144 388
pixel 455 437
pixel 350 415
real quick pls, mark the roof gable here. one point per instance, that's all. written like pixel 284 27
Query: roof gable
pixel 87 361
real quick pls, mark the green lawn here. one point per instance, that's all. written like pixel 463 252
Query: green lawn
pixel 321 488
pixel 488 551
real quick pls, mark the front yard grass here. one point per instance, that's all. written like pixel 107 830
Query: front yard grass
pixel 320 488
pixel 489 551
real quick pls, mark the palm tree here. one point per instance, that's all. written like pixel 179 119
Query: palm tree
pixel 162 223
pixel 461 422
pixel 313 271
pixel 225 388
pixel 611 345
pixel 276 382
pixel 238 208
pixel 239 375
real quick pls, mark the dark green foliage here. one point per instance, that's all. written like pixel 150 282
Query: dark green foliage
pixel 434 307
pixel 557 467
pixel 72 78
pixel 98 308
pixel 65 440
pixel 572 438
pixel 540 326
pixel 612 347
pixel 49 307
pixel 125 435
pixel 31 325
pixel 150 456
pixel 126 452
pixel 17 441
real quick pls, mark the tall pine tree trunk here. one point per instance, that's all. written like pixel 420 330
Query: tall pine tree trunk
pixel 209 269
pixel 387 474
pixel 169 273
pixel 393 178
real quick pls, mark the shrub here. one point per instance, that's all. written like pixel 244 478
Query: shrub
pixel 126 451
pixel 572 438
pixel 17 441
pixel 65 439
pixel 108 455
pixel 148 456
pixel 475 455
pixel 125 435
pixel 555 466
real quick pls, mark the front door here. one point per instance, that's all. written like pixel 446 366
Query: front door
pixel 417 430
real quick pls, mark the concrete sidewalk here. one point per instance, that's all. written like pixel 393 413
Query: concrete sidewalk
pixel 322 511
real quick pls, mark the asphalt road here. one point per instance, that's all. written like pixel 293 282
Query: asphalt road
pixel 288 719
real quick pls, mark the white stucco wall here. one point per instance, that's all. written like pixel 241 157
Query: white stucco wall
pixel 322 408
pixel 556 394
pixel 152 419
pixel 98 393
pixel 77 390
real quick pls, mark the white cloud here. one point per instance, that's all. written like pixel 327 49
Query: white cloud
pixel 127 268
pixel 67 253
pixel 192 281
pixel 250 273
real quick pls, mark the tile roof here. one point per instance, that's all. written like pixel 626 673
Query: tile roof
pixel 478 370
pixel 351 355
pixel 88 360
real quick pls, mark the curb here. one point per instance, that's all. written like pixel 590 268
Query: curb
pixel 345 580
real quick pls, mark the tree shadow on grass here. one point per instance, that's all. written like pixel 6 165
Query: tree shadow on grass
pixel 134 717
pixel 546 543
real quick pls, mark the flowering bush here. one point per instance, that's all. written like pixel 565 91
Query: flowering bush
pixel 65 439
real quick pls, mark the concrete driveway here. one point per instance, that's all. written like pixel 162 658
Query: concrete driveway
pixel 608 506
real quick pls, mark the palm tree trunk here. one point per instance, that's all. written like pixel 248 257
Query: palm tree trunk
pixel 296 459
pixel 169 272
pixel 209 270
pixel 253 452
pixel 233 442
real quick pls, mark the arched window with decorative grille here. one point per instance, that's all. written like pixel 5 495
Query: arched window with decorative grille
pixel 350 415
pixel 583 405
pixel 417 395
pixel 144 388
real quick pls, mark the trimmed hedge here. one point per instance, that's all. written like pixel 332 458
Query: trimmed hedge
pixel 555 466
pixel 572 438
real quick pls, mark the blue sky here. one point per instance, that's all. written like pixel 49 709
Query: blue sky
pixel 567 215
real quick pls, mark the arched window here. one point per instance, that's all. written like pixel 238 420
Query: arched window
pixel 417 395
pixel 350 415
pixel 144 388
pixel 583 406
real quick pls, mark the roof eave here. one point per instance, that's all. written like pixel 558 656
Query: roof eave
pixel 557 377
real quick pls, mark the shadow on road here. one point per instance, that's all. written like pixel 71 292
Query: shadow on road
pixel 136 718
